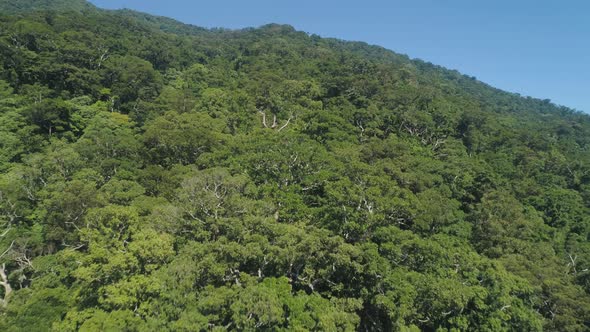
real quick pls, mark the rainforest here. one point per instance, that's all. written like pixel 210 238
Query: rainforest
pixel 158 176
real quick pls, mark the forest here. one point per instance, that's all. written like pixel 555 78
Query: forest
pixel 158 176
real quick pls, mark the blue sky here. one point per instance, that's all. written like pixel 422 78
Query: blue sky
pixel 536 48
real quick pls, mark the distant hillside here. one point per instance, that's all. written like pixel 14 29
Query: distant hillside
pixel 19 6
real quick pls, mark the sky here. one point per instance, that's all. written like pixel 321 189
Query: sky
pixel 536 48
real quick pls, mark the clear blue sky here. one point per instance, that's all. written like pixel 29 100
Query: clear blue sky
pixel 536 48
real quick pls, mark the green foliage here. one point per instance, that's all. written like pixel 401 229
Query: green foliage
pixel 159 176
pixel 11 7
pixel 181 138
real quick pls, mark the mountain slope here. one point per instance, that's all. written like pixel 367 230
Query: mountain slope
pixel 12 6
pixel 160 176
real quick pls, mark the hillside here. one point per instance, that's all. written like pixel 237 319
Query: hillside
pixel 162 176
pixel 19 6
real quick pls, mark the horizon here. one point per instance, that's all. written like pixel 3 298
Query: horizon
pixel 514 51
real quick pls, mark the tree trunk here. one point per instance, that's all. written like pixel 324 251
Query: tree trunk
pixel 4 283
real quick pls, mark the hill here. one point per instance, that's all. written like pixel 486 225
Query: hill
pixel 161 176
pixel 12 6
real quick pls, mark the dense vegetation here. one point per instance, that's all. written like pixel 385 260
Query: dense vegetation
pixel 159 176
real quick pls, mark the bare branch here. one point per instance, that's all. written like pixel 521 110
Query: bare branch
pixel 263 118
pixel 7 250
pixel 6 231
pixel 104 56
pixel 573 262
pixel 285 125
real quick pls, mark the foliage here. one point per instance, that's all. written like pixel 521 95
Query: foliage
pixel 160 176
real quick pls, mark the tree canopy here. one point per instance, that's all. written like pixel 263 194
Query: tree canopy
pixel 161 176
